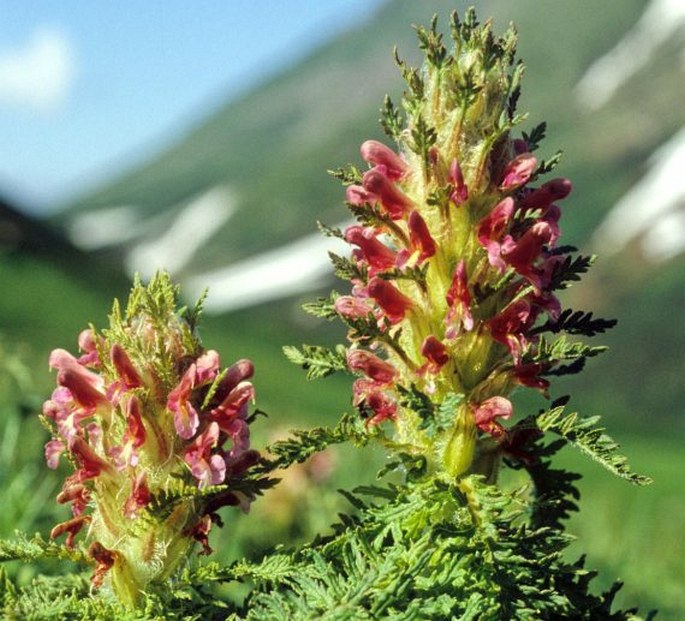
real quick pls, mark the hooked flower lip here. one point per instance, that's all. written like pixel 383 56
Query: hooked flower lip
pixel 376 153
pixel 390 196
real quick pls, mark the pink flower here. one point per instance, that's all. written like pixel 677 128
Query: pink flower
pixel 356 195
pixel 186 419
pixel 525 251
pixel 88 345
pixel 460 194
pixel 53 450
pixel 84 385
pixel 208 469
pixel 238 372
pixel 372 395
pixel 376 254
pixel 371 365
pixel 518 171
pixel 66 413
pixel 376 153
pixel 206 368
pixel 394 304
pixel 458 298
pixel 133 438
pixel 489 410
pixel 352 307
pixel 233 406
pixel 510 325
pixel 491 230
pixel 390 197
pixel 546 194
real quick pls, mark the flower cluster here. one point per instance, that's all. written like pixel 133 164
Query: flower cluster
pixel 455 256
pixel 157 434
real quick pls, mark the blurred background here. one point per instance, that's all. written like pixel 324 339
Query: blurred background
pixel 138 136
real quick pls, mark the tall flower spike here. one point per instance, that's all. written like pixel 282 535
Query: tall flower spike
pixel 464 263
pixel 153 420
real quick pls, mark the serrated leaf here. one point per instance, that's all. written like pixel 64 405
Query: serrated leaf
pixel 587 436
pixel 316 360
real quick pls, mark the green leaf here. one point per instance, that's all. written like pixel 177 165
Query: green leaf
pixel 316 360
pixel 588 437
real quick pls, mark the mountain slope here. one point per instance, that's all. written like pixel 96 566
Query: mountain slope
pixel 266 155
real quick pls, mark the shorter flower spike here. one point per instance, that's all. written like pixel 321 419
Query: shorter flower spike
pixel 152 420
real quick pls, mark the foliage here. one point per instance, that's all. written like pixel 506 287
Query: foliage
pixel 455 264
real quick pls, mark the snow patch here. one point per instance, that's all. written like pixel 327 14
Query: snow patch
pixel 654 209
pixel 292 269
pixel 197 223
pixel 103 228
pixel 660 21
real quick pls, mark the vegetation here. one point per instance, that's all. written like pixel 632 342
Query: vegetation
pixel 410 545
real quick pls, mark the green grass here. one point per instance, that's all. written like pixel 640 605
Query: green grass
pixel 635 534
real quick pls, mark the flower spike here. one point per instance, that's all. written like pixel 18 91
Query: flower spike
pixel 153 420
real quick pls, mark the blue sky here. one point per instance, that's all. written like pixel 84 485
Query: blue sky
pixel 87 88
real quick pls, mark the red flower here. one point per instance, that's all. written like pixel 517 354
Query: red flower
pixel 374 396
pixel 392 302
pixel 458 298
pixel 529 375
pixel 436 353
pixel 491 230
pixel 375 253
pixel 140 496
pixel 71 527
pixel 390 197
pixel 546 194
pixel 420 237
pixel 523 253
pixel 510 325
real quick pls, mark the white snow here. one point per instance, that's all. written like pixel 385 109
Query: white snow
pixel 174 249
pixel 661 20
pixel 653 210
pixel 292 269
pixel 105 227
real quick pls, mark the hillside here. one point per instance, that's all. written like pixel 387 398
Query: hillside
pixel 251 178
